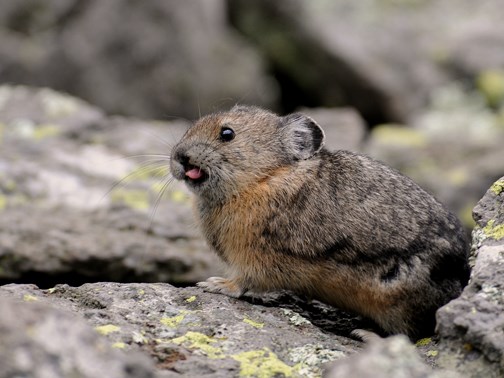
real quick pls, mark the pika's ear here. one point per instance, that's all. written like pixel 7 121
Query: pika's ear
pixel 302 135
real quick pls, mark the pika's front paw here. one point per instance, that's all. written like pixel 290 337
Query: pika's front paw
pixel 221 285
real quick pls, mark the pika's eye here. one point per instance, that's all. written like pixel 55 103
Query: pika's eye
pixel 227 134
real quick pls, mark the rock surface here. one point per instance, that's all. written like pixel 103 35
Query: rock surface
pixel 149 59
pixel 381 58
pixel 42 341
pixel 185 332
pixel 471 328
pixel 80 200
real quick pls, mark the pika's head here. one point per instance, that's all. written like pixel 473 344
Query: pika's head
pixel 223 153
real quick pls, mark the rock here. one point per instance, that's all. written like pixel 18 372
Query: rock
pixel 382 58
pixel 41 341
pixel 384 358
pixel 76 207
pixel 183 330
pixel 149 59
pixel 471 327
pixel 454 150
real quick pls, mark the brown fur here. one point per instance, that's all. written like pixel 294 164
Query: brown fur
pixel 285 213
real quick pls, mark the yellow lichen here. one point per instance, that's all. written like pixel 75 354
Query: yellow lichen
pixel 45 131
pixel 253 323
pixel 29 298
pixel 136 199
pixel 191 299
pixel 174 321
pixel 497 187
pixel 107 329
pixel 3 202
pixel 432 353
pixel 200 342
pixel 119 345
pixel 399 135
pixel 423 342
pixel 262 364
pixel 491 84
pixel 494 231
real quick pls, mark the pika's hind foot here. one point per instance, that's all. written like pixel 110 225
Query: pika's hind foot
pixel 221 285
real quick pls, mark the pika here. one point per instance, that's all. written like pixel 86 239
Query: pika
pixel 283 212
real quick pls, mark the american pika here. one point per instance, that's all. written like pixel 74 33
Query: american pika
pixel 283 212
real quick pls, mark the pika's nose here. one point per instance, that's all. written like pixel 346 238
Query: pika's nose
pixel 178 163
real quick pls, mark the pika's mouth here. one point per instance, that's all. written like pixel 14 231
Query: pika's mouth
pixel 194 174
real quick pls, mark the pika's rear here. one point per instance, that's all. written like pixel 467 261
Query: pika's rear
pixel 285 213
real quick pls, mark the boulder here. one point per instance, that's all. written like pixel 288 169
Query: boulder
pixel 384 59
pixel 83 196
pixel 184 331
pixel 149 59
pixel 471 327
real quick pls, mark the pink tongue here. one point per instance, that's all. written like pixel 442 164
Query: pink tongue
pixel 194 173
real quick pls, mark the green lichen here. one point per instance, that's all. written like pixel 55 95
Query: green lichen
pixel 432 353
pixel 107 329
pixel 497 187
pixel 491 84
pixel 253 323
pixel 262 364
pixel 494 231
pixel 135 199
pixel 398 135
pixel 201 342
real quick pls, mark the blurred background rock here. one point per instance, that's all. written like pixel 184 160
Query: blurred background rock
pixel 417 84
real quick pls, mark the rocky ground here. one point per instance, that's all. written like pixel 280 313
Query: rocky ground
pixel 99 252
pixel 77 194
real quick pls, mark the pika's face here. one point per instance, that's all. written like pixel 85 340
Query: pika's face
pixel 223 153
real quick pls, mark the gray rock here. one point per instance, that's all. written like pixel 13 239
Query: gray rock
pixel 41 341
pixel 148 59
pixel 393 357
pixel 74 208
pixel 471 327
pixel 382 58
pixel 185 330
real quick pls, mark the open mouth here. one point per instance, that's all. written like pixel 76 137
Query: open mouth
pixel 194 174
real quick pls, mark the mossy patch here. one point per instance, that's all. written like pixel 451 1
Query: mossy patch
pixel 262 364
pixel 201 342
pixel 494 231
pixel 497 187
pixel 107 329
pixel 399 135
